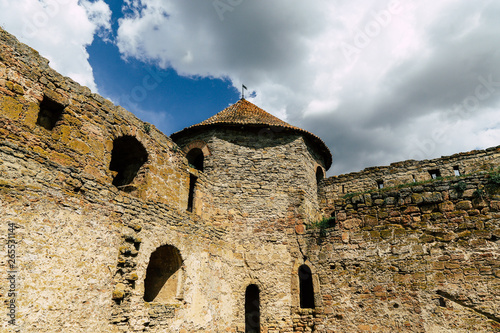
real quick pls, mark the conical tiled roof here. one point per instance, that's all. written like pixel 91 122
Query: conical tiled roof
pixel 248 114
pixel 243 113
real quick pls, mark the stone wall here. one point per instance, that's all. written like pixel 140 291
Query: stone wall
pixel 419 259
pixel 83 244
pixel 263 190
pixel 82 139
pixel 258 181
pixel 423 258
pixel 410 171
pixel 75 252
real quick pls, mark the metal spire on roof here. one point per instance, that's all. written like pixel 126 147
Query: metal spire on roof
pixel 243 88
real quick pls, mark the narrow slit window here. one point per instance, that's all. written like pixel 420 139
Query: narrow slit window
pixel 435 173
pixel 192 185
pixel 306 287
pixel 343 188
pixel 380 184
pixel 319 174
pixel 50 113
pixel 252 309
pixel 414 179
pixel 456 170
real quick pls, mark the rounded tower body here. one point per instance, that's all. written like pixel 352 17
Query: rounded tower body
pixel 260 172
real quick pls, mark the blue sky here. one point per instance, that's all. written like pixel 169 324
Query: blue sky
pixel 378 81
pixel 159 96
pixel 154 94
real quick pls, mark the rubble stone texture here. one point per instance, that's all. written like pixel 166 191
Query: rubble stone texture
pixel 199 234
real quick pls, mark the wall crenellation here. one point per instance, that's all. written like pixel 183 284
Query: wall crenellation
pixel 411 171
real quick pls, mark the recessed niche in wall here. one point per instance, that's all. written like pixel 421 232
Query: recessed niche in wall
pixel 127 157
pixel 49 114
pixel 252 309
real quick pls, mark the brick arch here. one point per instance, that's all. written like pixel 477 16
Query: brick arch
pixel 129 130
pixel 121 131
pixel 200 144
pixel 248 281
pixel 320 173
pixel 151 241
pixel 196 152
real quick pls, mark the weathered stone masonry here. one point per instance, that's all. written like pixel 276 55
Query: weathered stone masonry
pixel 422 258
pixel 82 239
pixel 411 171
pixel 123 229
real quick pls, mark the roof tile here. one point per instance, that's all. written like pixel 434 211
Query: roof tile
pixel 244 112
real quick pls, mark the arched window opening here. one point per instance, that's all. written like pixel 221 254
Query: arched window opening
pixel 306 287
pixel 50 113
pixel 127 157
pixel 252 309
pixel 319 174
pixel 195 158
pixel 163 275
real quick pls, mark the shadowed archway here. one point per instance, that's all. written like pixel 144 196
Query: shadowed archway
pixel 252 309
pixel 127 157
pixel 162 274
pixel 306 287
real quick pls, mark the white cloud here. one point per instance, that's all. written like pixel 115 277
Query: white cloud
pixel 60 30
pixel 378 81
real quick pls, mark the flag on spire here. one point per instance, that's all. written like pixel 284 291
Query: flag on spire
pixel 243 88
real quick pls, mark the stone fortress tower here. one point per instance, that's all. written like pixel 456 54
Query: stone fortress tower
pixel 256 165
pixel 257 176
pixel 228 225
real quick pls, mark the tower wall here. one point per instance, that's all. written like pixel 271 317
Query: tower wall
pixel 262 182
